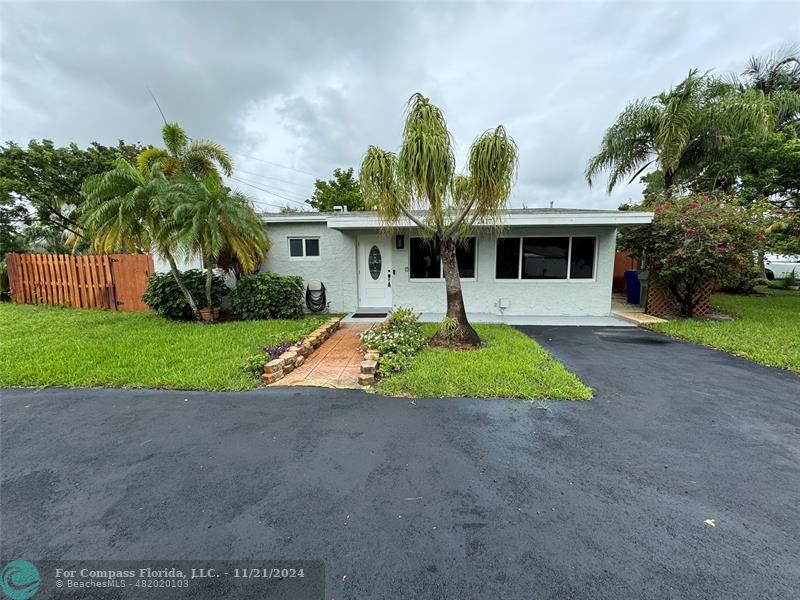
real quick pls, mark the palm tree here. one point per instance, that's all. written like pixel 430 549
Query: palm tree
pixel 778 77
pixel 183 156
pixel 422 176
pixel 127 208
pixel 678 129
pixel 211 221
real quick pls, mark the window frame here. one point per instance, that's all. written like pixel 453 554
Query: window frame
pixel 441 267
pixel 304 239
pixel 567 279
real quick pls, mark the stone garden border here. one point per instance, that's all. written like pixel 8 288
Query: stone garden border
pixel 369 367
pixel 296 355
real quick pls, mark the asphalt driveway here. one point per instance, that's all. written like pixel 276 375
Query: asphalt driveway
pixel 434 498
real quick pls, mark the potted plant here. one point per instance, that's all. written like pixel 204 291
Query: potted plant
pixel 209 315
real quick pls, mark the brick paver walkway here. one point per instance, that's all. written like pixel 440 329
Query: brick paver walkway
pixel 336 363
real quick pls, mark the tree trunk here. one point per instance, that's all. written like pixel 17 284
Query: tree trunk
pixel 209 302
pixel 685 296
pixel 461 333
pixel 762 268
pixel 669 178
pixel 174 270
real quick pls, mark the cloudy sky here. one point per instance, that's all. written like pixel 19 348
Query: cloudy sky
pixel 295 90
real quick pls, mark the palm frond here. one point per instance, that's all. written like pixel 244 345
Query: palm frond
pixel 213 153
pixel 786 107
pixel 628 144
pixel 379 186
pixel 149 157
pixel 426 163
pixel 175 139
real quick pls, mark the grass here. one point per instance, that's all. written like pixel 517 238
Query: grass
pixel 511 365
pixel 45 346
pixel 767 329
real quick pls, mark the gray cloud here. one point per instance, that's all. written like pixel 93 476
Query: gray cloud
pixel 297 89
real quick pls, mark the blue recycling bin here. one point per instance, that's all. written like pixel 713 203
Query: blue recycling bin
pixel 632 286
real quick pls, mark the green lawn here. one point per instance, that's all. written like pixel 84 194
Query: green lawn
pixel 511 365
pixel 43 346
pixel 767 329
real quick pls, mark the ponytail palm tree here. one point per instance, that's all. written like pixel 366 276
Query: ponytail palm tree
pixel 182 156
pixel 130 209
pixel 212 220
pixel 676 131
pixel 422 176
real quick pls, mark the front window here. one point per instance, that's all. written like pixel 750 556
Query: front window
pixel 507 261
pixel 545 258
pixel 303 247
pixel 426 263
pixel 581 265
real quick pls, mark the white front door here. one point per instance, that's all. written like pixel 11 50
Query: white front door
pixel 374 272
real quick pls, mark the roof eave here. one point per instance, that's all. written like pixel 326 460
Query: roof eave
pixel 348 221
pixel 622 219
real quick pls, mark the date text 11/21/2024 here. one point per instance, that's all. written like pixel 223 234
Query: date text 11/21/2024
pixel 270 573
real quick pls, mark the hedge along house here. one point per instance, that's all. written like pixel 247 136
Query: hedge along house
pixel 540 264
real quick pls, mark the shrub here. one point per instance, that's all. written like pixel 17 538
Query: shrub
pixel 742 282
pixel 268 296
pixel 254 365
pixel 165 297
pixel 693 241
pixel 790 281
pixel 447 328
pixel 282 344
pixel 397 339
pixel 787 283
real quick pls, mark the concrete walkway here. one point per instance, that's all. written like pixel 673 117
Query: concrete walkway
pixel 631 312
pixel 336 363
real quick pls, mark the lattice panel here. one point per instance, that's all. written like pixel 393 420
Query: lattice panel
pixel 661 303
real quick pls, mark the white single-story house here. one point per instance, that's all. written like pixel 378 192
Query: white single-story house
pixel 541 262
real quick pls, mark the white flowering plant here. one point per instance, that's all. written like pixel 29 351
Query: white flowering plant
pixel 397 340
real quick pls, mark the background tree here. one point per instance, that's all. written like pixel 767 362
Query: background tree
pixel 14 217
pixel 778 77
pixel 342 190
pixel 676 130
pixel 41 185
pixel 212 220
pixel 422 176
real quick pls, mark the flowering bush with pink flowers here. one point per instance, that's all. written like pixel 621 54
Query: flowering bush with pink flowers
pixel 695 240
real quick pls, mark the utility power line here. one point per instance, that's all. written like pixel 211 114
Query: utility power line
pixel 267 191
pixel 261 175
pixel 291 193
pixel 277 164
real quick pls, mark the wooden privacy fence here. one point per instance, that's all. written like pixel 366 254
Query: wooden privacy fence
pixel 622 262
pixel 116 281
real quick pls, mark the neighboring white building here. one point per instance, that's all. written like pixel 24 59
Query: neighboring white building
pixel 184 263
pixel 542 262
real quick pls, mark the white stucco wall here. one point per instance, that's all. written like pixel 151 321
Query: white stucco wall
pixel 184 263
pixel 575 297
pixel 336 268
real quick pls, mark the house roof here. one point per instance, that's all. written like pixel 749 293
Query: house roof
pixel 511 217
